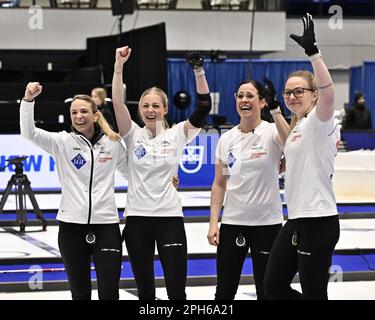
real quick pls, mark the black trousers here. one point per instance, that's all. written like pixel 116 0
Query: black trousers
pixel 77 254
pixel 310 256
pixel 141 234
pixel 235 241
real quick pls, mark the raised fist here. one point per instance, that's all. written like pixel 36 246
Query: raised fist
pixel 33 89
pixel 194 59
pixel 123 54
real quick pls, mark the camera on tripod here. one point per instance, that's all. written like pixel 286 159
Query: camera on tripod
pixel 22 188
pixel 18 163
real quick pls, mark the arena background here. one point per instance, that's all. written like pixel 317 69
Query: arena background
pixel 69 47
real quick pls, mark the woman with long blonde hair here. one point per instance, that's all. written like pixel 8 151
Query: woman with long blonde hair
pixel 307 240
pixel 154 210
pixel 86 161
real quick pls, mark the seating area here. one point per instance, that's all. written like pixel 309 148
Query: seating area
pixel 61 76
pixel 157 4
pixel 9 3
pixel 78 3
pixel 226 4
pixel 239 5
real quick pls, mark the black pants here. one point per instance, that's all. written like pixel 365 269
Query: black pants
pixel 235 241
pixel 311 257
pixel 140 235
pixel 106 253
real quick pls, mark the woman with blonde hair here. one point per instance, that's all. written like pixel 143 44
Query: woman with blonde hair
pixel 307 240
pixel 86 161
pixel 154 210
pixel 99 95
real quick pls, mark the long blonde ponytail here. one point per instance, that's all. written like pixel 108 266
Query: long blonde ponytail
pixel 106 128
pixel 293 121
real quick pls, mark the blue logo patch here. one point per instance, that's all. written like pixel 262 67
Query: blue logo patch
pixel 78 161
pixel 231 160
pixel 140 152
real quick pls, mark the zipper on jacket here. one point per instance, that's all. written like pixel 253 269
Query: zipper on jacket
pixel 91 176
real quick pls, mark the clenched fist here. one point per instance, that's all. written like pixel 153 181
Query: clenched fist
pixel 123 54
pixel 33 89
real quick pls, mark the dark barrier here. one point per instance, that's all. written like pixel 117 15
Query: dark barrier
pixel 51 91
pixel 359 139
pixel 51 116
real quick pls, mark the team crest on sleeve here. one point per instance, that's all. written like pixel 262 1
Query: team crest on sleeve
pixel 192 159
pixel 78 161
pixel 231 160
pixel 140 152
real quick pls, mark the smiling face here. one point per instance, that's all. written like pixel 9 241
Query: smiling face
pixel 248 102
pixel 152 109
pixel 303 104
pixel 83 117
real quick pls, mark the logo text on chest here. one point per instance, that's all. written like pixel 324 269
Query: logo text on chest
pixel 78 161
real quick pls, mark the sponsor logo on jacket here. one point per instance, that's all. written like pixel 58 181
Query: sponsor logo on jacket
pixel 78 161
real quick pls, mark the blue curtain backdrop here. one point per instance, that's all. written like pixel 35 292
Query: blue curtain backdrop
pixel 224 77
pixel 369 86
pixel 355 82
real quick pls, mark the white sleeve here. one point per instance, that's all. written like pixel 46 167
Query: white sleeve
pixel 48 141
pixel 122 161
pixel 321 128
pixel 131 131
pixel 220 152
pixel 274 136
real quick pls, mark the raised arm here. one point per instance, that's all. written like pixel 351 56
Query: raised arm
pixel 203 108
pixel 44 139
pixel 218 190
pixel 273 105
pixel 325 105
pixel 27 125
pixel 33 89
pixel 122 114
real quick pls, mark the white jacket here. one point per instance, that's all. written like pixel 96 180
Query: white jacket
pixel 86 172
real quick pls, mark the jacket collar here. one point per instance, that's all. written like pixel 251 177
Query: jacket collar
pixel 98 133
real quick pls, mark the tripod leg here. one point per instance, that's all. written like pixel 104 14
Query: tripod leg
pixel 21 210
pixel 7 192
pixel 36 208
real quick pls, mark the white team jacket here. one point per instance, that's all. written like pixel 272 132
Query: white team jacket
pixel 86 172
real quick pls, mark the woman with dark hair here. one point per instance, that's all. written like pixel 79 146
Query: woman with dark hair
pixel 86 161
pixel 247 175
pixel 153 210
pixel 307 240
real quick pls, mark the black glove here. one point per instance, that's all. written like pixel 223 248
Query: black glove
pixel 270 94
pixel 194 59
pixel 307 40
